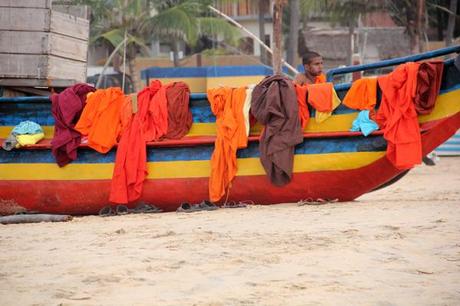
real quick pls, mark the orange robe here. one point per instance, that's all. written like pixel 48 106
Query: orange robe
pixel 362 95
pixel 397 116
pixel 320 96
pixel 320 79
pixel 227 105
pixel 131 160
pixel 304 113
pixel 106 114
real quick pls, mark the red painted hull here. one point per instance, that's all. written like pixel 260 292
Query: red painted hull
pixel 88 197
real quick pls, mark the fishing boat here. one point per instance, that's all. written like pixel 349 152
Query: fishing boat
pixel 331 163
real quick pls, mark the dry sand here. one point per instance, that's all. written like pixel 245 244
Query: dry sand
pixel 397 246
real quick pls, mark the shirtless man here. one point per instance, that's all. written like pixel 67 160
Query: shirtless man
pixel 313 65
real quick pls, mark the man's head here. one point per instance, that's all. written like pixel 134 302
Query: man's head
pixel 313 63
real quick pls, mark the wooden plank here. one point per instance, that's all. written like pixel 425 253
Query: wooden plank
pixel 81 11
pixel 23 66
pixel 22 42
pixel 69 25
pixel 26 3
pixel 41 67
pixel 68 47
pixel 43 20
pixel 36 82
pixel 25 19
pixel 61 68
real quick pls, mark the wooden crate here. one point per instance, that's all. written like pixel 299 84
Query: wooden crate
pixel 37 43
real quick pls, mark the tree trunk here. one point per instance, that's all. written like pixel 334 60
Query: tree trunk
pixel 351 43
pixel 34 218
pixel 175 49
pixel 135 77
pixel 420 26
pixel 439 24
pixel 451 22
pixel 261 20
pixel 277 35
pixel 293 39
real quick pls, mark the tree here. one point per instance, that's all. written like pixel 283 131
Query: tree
pixel 410 14
pixel 141 20
pixel 293 37
pixel 451 21
pixel 263 8
pixel 347 12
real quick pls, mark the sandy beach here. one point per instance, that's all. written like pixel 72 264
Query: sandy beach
pixel 396 246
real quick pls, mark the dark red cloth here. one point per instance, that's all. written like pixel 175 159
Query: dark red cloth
pixel 66 108
pixel 428 83
pixel 131 160
pixel 397 117
pixel 179 114
pixel 274 104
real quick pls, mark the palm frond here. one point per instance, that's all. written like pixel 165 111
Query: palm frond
pixel 211 26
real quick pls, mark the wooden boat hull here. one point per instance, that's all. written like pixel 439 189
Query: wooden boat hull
pixel 331 163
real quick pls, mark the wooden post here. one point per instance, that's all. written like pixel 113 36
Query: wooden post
pixel 277 35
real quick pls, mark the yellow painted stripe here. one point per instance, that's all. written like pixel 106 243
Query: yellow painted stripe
pixel 47 129
pixel 233 81
pixel 446 105
pixel 184 169
pixel 197 84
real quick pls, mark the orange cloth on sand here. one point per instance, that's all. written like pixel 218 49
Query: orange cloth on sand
pixel 397 116
pixel 320 96
pixel 362 94
pixel 131 160
pixel 105 116
pixel 304 113
pixel 227 105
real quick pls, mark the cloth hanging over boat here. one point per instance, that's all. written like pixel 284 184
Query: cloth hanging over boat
pixel 304 113
pixel 428 84
pixel 320 79
pixel 397 116
pixel 106 114
pixel 66 108
pixel 247 107
pixel 27 127
pixel 364 124
pixel 131 159
pixel 322 116
pixel 362 94
pixel 227 105
pixel 179 114
pixel 324 100
pixel 320 96
pixel 274 104
pixel 23 134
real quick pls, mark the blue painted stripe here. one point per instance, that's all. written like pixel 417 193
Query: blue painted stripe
pixel 204 152
pixel 392 62
pixel 206 71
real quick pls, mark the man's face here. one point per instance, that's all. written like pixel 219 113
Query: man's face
pixel 315 67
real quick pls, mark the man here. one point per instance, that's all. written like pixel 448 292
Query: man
pixel 313 65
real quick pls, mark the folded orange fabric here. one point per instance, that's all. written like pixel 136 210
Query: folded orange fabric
pixel 106 114
pixel 304 113
pixel 227 105
pixel 397 116
pixel 362 95
pixel 320 96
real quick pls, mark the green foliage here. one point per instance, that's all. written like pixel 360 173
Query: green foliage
pixel 170 20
